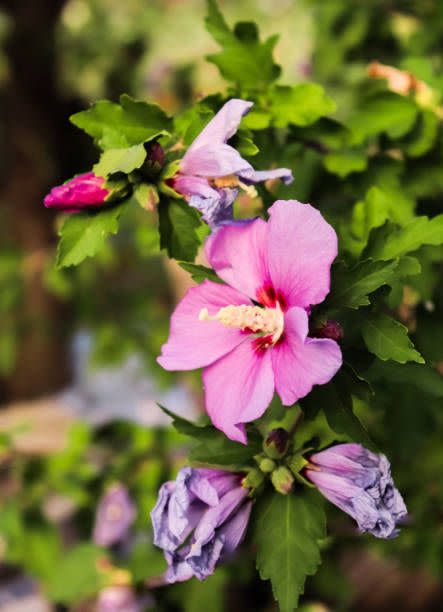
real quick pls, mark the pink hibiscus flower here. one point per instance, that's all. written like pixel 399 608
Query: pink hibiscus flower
pixel 251 335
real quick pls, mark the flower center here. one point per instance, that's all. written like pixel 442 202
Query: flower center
pixel 263 321
pixel 231 181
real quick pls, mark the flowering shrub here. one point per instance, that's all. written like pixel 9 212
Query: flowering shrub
pixel 300 317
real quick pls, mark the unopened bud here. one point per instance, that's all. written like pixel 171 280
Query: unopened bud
pixel 253 480
pixel 156 154
pixel 277 443
pixel 283 480
pixel 328 329
pixel 266 465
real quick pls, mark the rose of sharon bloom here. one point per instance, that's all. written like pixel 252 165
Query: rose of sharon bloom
pixel 199 520
pixel 83 191
pixel 114 516
pixel 251 335
pixel 359 482
pixel 212 172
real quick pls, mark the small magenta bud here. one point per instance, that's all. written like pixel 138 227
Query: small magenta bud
pixel 277 443
pixel 328 329
pixel 266 465
pixel 283 480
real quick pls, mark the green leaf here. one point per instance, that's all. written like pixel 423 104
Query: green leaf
pixel 76 575
pixel 387 112
pixel 336 401
pixel 178 225
pixel 388 339
pixel 244 144
pixel 421 376
pixel 213 447
pixel 350 287
pixel 408 266
pixel 423 136
pixel 189 123
pixel 244 59
pixel 287 534
pixel 339 405
pixel 372 212
pixel 82 235
pixel 345 162
pixel 120 160
pixel 147 196
pixel 389 242
pixel 200 273
pixel 300 105
pixel 129 123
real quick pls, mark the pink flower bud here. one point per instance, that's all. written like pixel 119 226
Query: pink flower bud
pixel 276 444
pixel 156 154
pixel 328 329
pixel 82 192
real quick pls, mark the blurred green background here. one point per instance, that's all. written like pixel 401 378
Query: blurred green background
pixel 78 380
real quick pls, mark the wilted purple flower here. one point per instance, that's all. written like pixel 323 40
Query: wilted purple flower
pixel 114 516
pixel 199 520
pixel 83 191
pixel 212 172
pixel 359 482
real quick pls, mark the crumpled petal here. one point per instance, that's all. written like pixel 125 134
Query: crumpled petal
pixel 300 362
pixel 224 125
pixel 233 531
pixel 203 565
pixel 301 249
pixel 359 482
pixel 214 160
pixel 193 343
pixel 215 210
pixel 215 516
pixel 159 517
pixel 238 254
pixel 259 176
pixel 238 389
pixel 189 185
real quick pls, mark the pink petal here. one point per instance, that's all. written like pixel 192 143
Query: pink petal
pixel 238 389
pixel 224 125
pixel 301 249
pixel 189 185
pixel 213 160
pixel 193 343
pixel 258 176
pixel 238 255
pixel 299 362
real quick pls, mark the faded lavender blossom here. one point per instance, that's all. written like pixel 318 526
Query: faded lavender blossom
pixel 83 191
pixel 359 482
pixel 199 520
pixel 114 516
pixel 212 172
pixel 118 599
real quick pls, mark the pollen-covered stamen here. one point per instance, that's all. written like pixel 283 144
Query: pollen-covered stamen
pixel 232 181
pixel 266 321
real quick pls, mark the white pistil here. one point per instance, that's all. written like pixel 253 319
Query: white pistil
pixel 263 321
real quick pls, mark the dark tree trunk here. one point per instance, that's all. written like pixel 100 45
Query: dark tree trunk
pixel 37 147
